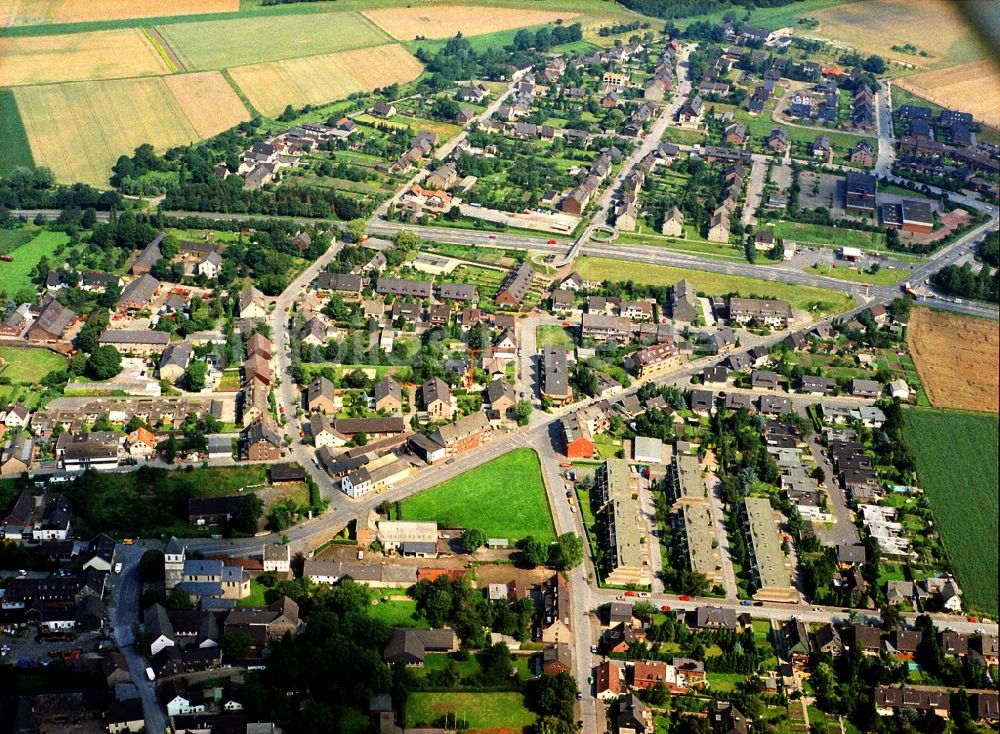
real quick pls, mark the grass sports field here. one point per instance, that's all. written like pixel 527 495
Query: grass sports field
pixel 504 498
pixel 31 12
pixel 78 56
pixel 956 455
pixel 28 365
pixel 215 44
pixel 876 25
pixel 317 79
pixel 503 711
pixel 444 21
pixel 971 87
pixel 17 274
pixel 15 151
pixel 816 300
pixel 956 358
pixel 114 117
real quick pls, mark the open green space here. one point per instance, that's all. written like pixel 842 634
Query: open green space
pixel 882 277
pixel 15 151
pixel 397 613
pixel 957 465
pixel 504 498
pixel 503 710
pixel 552 335
pixel 22 364
pixel 256 598
pixel 820 234
pixel 817 300
pixel 152 502
pixel 11 239
pixel 214 44
pixel 17 274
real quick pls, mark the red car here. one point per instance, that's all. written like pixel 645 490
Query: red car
pixel 665 608
pixel 629 593
pixel 973 619
pixel 685 597
pixel 552 242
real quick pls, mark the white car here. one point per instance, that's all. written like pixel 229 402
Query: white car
pixel 118 567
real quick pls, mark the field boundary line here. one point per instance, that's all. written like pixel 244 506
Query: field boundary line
pixel 164 49
pixel 254 112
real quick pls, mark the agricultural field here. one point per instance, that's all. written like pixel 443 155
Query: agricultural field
pixel 22 364
pixel 114 117
pixel 874 26
pixel 78 57
pixel 16 275
pixel 502 711
pixel 973 87
pixel 208 101
pixel 957 464
pixel 215 44
pixel 34 12
pixel 815 300
pixel 10 239
pixel 15 152
pixel 317 79
pixel 956 357
pixel 444 21
pixel 504 498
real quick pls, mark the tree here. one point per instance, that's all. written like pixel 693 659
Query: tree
pixel 195 374
pixel 236 644
pixel 246 512
pixel 818 474
pixel 535 552
pixel 151 566
pixel 356 228
pixel 105 362
pixel 890 617
pixel 552 695
pixel 523 409
pixel 569 550
pixel 473 539
pixel 179 601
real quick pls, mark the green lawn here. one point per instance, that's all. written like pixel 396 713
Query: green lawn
pixel 551 335
pixel 397 613
pixel 478 710
pixel 17 274
pixel 957 463
pixel 818 234
pixel 21 364
pixel 818 300
pixel 15 151
pixel 256 598
pixel 505 498
pixel 882 277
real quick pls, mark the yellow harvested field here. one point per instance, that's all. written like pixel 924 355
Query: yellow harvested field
pixel 208 101
pixel 35 12
pixel 971 88
pixel 78 57
pixel 317 79
pixel 79 129
pixel 444 21
pixel 935 26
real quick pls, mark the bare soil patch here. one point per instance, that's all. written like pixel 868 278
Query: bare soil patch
pixel 957 359
pixel 444 21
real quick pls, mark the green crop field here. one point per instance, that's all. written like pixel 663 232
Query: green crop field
pixel 21 364
pixel 215 44
pixel 504 498
pixel 15 151
pixel 478 710
pixel 957 464
pixel 817 300
pixel 11 239
pixel 17 274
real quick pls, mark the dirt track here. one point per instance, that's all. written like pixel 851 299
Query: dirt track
pixel 958 358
